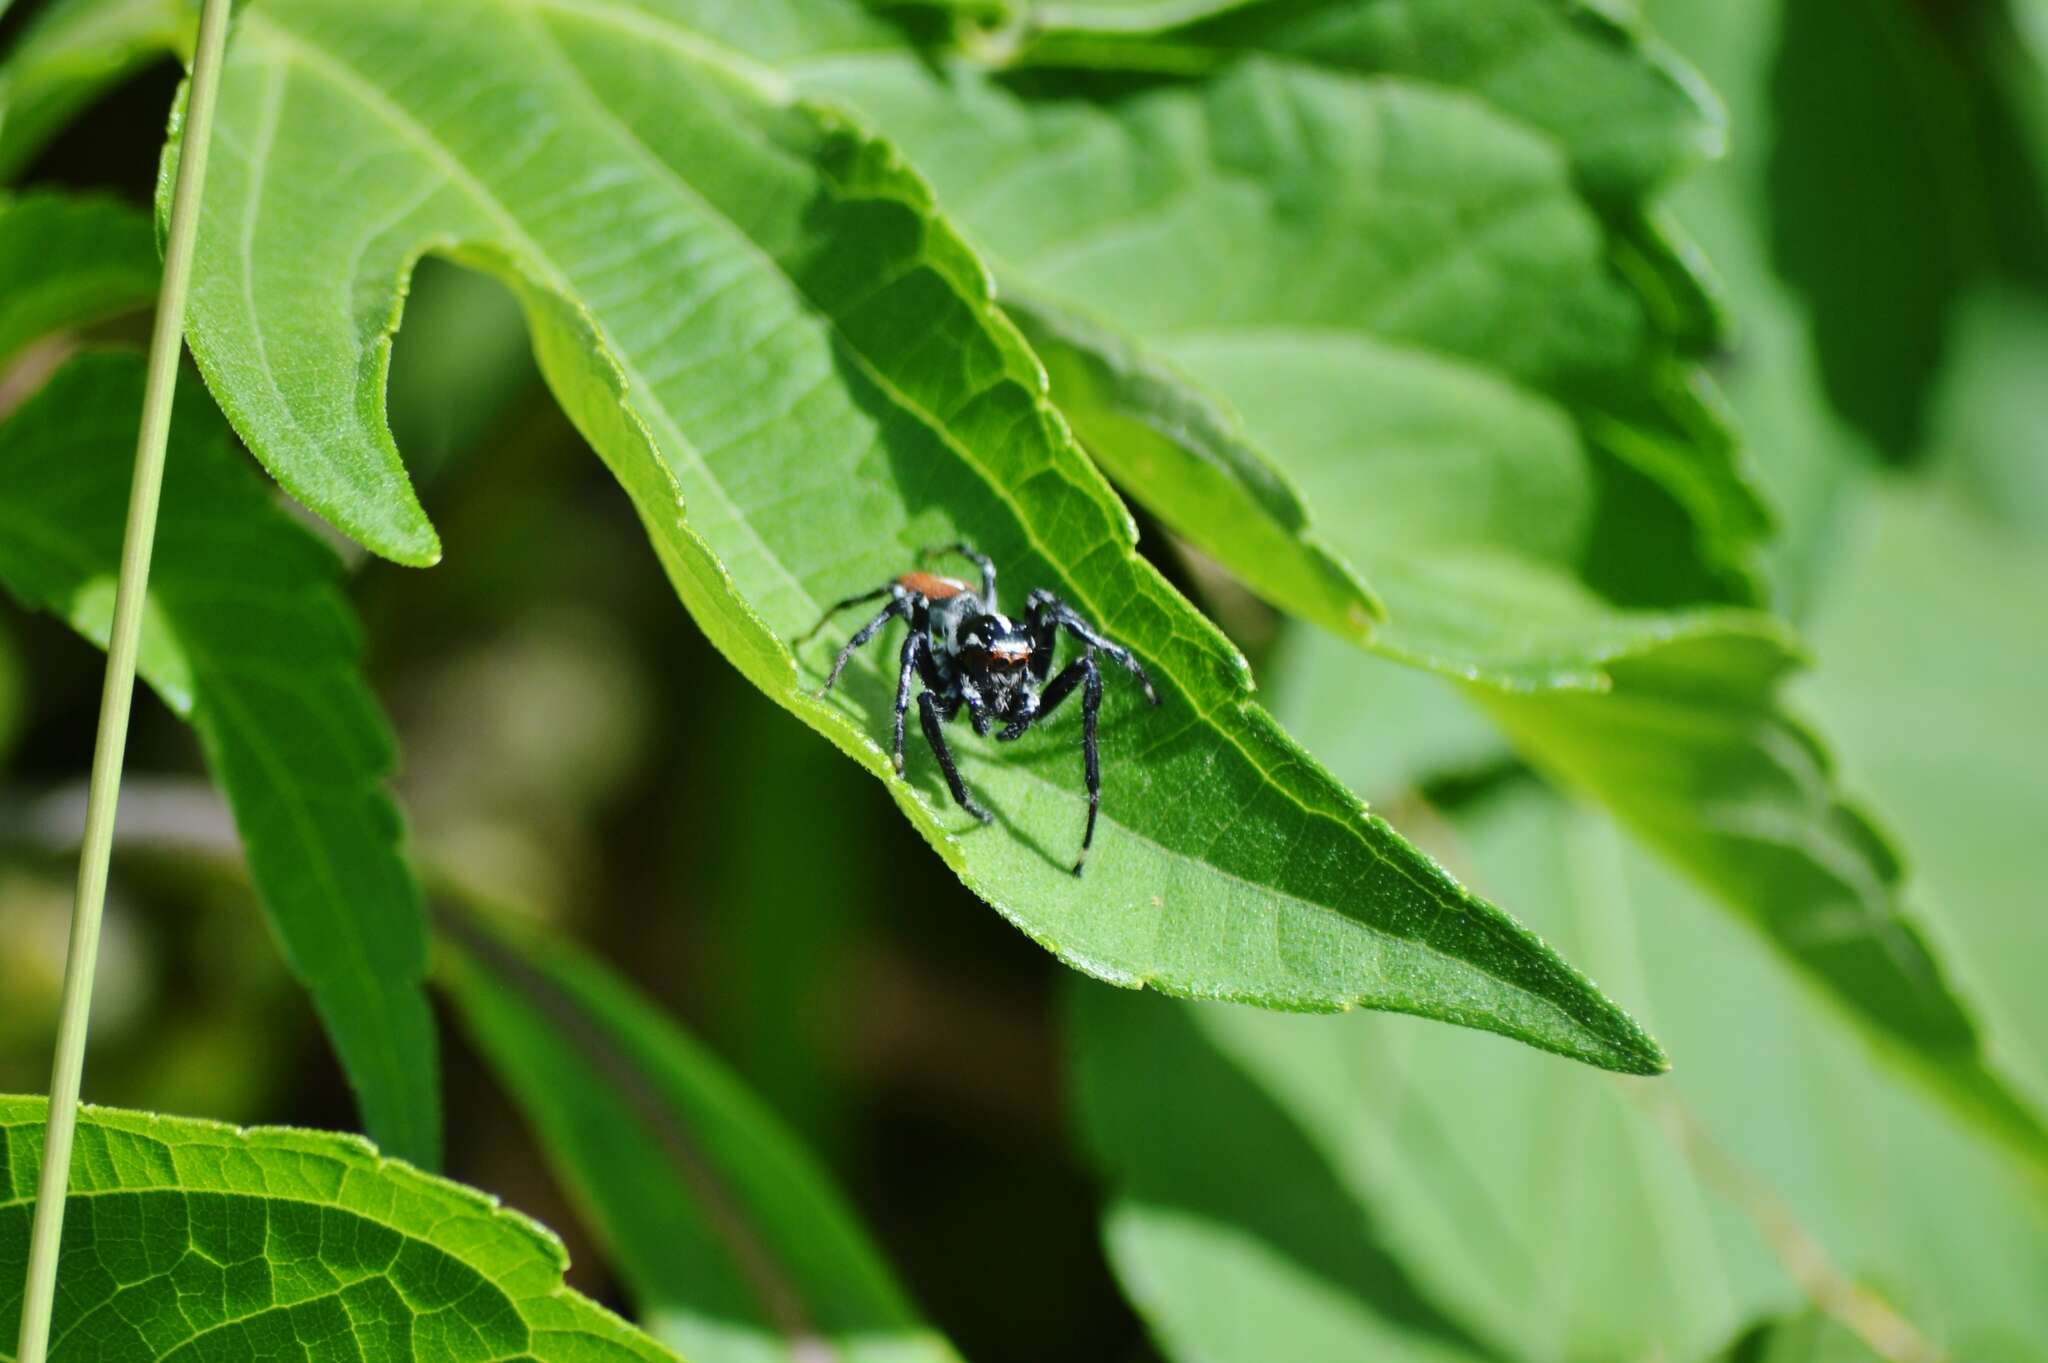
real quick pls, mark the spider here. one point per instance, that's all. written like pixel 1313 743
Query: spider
pixel 971 655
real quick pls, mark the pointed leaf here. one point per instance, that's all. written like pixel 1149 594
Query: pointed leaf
pixel 201 1243
pixel 731 1241
pixel 795 368
pixel 248 637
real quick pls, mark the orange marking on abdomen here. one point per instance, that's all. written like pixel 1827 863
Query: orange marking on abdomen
pixel 932 586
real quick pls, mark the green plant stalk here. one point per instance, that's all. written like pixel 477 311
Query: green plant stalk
pixel 166 342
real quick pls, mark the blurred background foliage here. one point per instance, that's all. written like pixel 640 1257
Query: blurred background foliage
pixel 573 748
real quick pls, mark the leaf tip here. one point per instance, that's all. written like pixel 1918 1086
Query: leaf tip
pixel 414 545
pixel 1635 1051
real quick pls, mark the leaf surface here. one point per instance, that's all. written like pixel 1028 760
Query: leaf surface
pixel 732 1242
pixel 795 369
pixel 204 1243
pixel 248 637
pixel 1445 401
pixel 1464 1191
pixel 1373 271
pixel 69 261
pixel 1694 754
pixel 1963 777
pixel 1630 116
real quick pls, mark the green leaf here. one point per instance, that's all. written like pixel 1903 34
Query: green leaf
pixel 71 51
pixel 1157 432
pixel 1447 401
pixel 1366 1188
pixel 248 637
pixel 11 705
pixel 1630 116
pixel 1962 776
pixel 1693 753
pixel 1124 16
pixel 1233 1235
pixel 1988 411
pixel 1808 1338
pixel 795 369
pixel 69 261
pixel 732 1243
pixel 1384 279
pixel 204 1243
pixel 1920 146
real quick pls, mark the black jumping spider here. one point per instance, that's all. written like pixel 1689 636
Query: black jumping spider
pixel 970 655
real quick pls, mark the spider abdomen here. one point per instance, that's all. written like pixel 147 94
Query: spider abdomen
pixel 932 587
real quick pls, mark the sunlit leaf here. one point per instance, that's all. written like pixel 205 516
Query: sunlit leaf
pixel 1693 754
pixel 201 1243
pixel 795 368
pixel 248 637
pixel 1385 280
pixel 1367 1188
pixel 1629 116
pixel 1963 778
pixel 731 1241
pixel 1412 312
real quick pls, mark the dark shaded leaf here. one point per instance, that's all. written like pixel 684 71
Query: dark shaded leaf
pixel 732 1242
pixel 248 637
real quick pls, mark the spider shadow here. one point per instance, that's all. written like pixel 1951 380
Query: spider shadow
pixel 866 693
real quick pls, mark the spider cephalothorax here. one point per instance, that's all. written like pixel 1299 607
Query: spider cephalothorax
pixel 1000 669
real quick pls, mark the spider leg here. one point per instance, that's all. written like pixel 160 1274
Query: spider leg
pixel 1082 673
pixel 1047 609
pixel 1091 757
pixel 838 606
pixel 978 559
pixel 977 707
pixel 901 605
pixel 935 734
pixel 913 649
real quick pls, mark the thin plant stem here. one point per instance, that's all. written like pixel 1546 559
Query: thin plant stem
pixel 165 345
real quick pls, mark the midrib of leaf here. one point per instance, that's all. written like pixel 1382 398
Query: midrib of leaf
pixel 874 374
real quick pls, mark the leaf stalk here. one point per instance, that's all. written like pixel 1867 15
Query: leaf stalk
pixel 138 541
